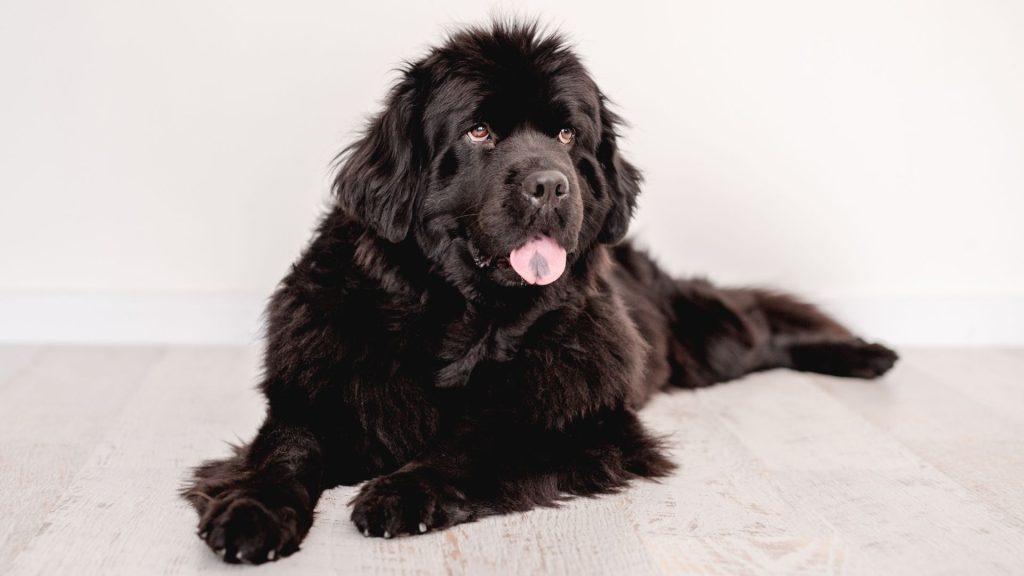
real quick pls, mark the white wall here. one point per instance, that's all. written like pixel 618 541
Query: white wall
pixel 161 163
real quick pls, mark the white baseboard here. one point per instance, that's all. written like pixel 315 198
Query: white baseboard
pixel 123 319
pixel 934 320
pixel 192 319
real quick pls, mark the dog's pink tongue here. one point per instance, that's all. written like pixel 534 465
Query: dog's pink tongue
pixel 539 261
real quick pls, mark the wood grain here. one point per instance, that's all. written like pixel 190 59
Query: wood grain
pixel 53 411
pixel 780 473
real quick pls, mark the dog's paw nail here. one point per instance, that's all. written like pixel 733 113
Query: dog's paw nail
pixel 387 534
pixel 219 552
pixel 366 532
pixel 204 534
pixel 423 527
pixel 271 555
pixel 238 556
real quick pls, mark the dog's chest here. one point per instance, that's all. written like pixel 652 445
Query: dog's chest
pixel 470 339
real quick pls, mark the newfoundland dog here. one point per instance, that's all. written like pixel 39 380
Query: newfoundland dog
pixel 466 331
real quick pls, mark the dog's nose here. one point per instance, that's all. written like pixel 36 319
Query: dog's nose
pixel 545 186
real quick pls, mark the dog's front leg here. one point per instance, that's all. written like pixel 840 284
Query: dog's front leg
pixel 493 464
pixel 258 505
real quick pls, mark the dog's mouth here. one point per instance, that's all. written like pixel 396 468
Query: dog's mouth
pixel 540 260
pixel 479 259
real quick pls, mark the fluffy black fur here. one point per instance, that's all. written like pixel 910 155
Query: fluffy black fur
pixel 403 350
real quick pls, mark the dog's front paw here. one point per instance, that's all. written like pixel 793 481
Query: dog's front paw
pixel 242 527
pixel 408 503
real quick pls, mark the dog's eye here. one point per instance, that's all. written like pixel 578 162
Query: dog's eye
pixel 565 135
pixel 479 133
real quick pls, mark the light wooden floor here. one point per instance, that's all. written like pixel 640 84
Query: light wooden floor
pixel 921 473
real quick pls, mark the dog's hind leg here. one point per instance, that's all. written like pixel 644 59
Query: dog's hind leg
pixel 805 338
pixel 721 334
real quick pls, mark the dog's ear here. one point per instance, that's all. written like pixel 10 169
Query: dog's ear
pixel 622 179
pixel 380 176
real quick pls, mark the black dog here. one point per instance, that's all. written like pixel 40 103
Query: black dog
pixel 461 331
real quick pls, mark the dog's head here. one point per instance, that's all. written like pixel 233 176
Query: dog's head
pixel 496 153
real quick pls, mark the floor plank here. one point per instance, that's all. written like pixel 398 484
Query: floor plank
pixel 14 359
pixel 780 473
pixel 900 514
pixel 992 377
pixel 717 514
pixel 52 414
pixel 121 513
pixel 978 448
